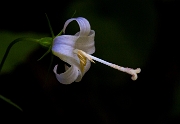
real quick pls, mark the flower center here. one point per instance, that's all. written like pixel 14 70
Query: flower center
pixel 82 60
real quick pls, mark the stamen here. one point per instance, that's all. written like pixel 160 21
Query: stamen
pixel 82 55
pixel 82 59
pixel 86 55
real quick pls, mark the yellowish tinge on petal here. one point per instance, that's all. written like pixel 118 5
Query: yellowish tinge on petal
pixel 82 59
pixel 85 55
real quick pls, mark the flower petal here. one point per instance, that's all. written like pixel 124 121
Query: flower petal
pixel 86 43
pixel 63 47
pixel 84 25
pixel 67 77
pixel 86 68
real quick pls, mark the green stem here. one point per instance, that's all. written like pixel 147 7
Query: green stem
pixel 10 102
pixel 52 56
pixel 9 47
pixel 52 33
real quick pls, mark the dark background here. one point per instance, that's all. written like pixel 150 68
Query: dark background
pixel 133 33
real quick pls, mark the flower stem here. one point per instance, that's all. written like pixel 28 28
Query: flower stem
pixel 52 33
pixel 10 102
pixel 9 47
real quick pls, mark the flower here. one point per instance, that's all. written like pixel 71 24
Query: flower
pixel 64 46
pixel 76 50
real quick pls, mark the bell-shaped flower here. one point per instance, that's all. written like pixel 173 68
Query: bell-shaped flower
pixel 64 46
pixel 76 50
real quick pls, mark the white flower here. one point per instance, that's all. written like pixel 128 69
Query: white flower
pixel 76 49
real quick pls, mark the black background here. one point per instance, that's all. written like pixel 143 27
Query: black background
pixel 149 100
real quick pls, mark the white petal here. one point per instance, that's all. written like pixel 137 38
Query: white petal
pixel 63 47
pixel 86 68
pixel 86 43
pixel 84 25
pixel 67 77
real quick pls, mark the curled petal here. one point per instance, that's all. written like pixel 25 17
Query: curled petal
pixel 84 25
pixel 63 47
pixel 86 68
pixel 79 78
pixel 85 36
pixel 86 43
pixel 68 76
